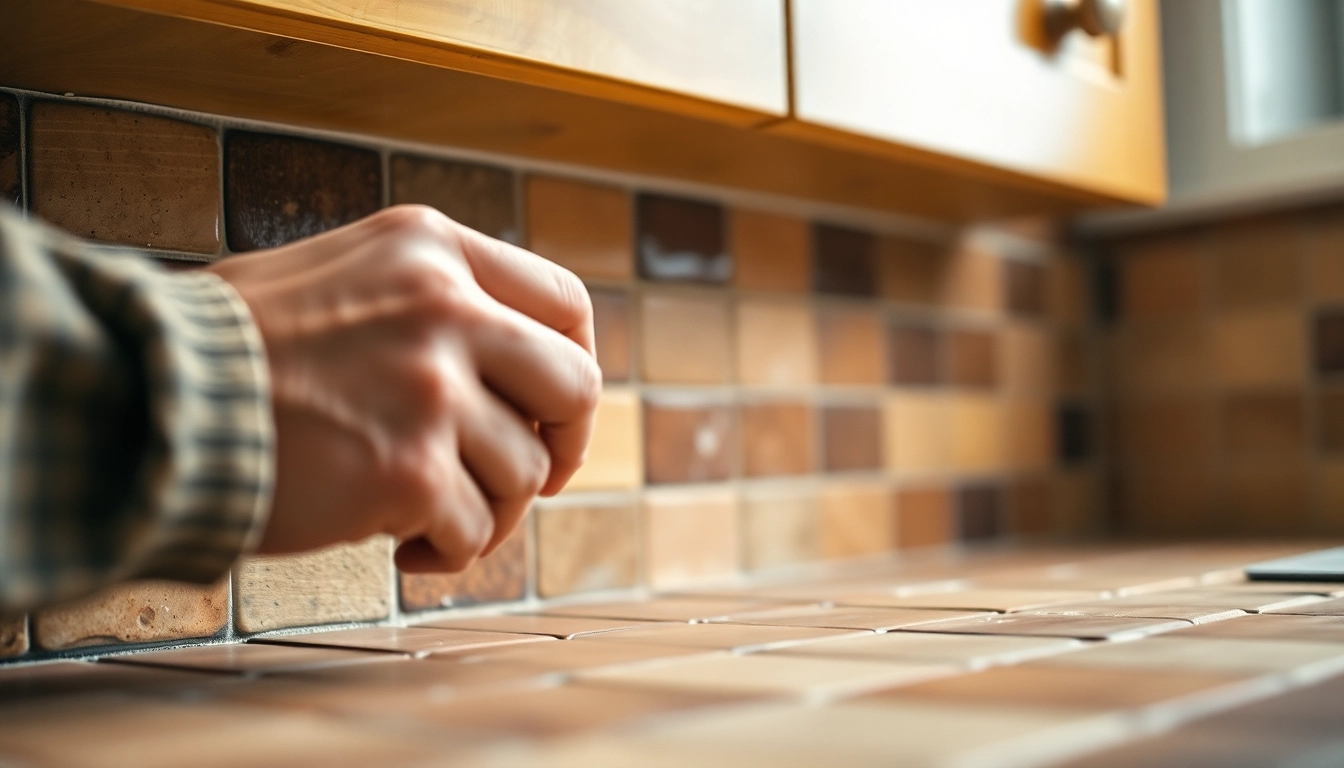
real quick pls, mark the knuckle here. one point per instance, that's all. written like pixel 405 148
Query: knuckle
pixel 429 389
pixel 413 217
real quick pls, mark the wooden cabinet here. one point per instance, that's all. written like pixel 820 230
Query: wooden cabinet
pixel 979 82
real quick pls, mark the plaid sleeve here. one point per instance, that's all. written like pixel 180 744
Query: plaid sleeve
pixel 136 437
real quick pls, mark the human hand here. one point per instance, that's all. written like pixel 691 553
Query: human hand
pixel 427 382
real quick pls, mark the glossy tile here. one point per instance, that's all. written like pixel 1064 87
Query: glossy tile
pixel 1315 623
pixel 1211 655
pixel 1257 262
pixel 1262 348
pixel 349 582
pixel 551 658
pixel 911 271
pixel 851 437
pixel 1260 425
pixel 672 608
pixel 776 344
pixel 1024 288
pixel 914 432
pixel 1112 628
pixel 252 658
pixel 915 354
pixel 501 577
pixel 679 239
pixel 690 536
pixel 980 512
pixel 478 196
pixel 721 637
pixel 612 325
pixel 278 189
pixel 1164 277
pixel 1243 600
pixel 924 517
pixel 585 547
pixel 850 346
pixel 857 519
pixel 965 651
pixel 134 612
pixel 1328 341
pixel 123 177
pixel 770 252
pixel 558 627
pixel 780 526
pixel 11 179
pixel 615 453
pixel 1190 613
pixel 419 641
pixel 778 438
pixel 844 261
pixel 688 439
pixel 1002 600
pixel 583 227
pixel 874 619
pixel 686 339
pixel 973 358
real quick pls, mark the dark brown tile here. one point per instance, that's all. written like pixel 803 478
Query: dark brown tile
pixel 851 438
pixel 914 354
pixel 1073 427
pixel 611 322
pixel 924 517
pixel 500 577
pixel 1031 506
pixel 688 440
pixel 1329 341
pixel 1263 425
pixel 980 512
pixel 478 196
pixel 586 547
pixel 681 240
pixel 770 252
pixel 973 358
pixel 911 271
pixel 777 439
pixel 1024 285
pixel 1330 413
pixel 124 177
pixel 279 189
pixel 11 179
pixel 844 261
pixel 1258 262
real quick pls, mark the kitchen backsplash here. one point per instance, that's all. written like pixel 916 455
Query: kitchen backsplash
pixel 782 387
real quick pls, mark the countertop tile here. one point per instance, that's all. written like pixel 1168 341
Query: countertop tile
pixel 251 658
pixel 1113 628
pixel 1192 614
pixel 875 619
pixel 1177 652
pixel 569 656
pixel 1251 602
pixel 727 637
pixel 1005 600
pixel 968 651
pixel 560 627
pixel 686 609
pixel 419 640
pixel 1328 628
pixel 678 239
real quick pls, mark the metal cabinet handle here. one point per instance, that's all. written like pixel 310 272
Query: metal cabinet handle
pixel 1097 18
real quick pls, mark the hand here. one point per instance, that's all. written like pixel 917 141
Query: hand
pixel 427 382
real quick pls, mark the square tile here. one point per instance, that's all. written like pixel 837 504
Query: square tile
pixel 776 346
pixel 973 358
pixel 965 651
pixel 1330 418
pixel 1031 507
pixel 688 439
pixel 1164 277
pixel 1262 348
pixel 1031 434
pixel 586 547
pixel 781 526
pixel 851 437
pixel 1328 341
pixel 1166 428
pixel 679 239
pixel 924 517
pixel 612 326
pixel 478 196
pixel 1259 425
pixel 1112 628
pixel 1073 367
pixel 500 577
pixel 252 658
pixel 615 452
pixel 348 582
pixel 1070 294
pixel 1024 288
pixel 672 608
pixel 980 512
pixel 278 189
pixel 11 179
pixel 914 431
pixel 911 271
pixel 977 430
pixel 771 252
pixel 1300 624
pixel 690 536
pixel 420 641
pixel 580 226
pixel 844 261
pixel 1190 613
pixel 915 354
pixel 1267 497
pixel 122 177
pixel 1258 262
pixel 1028 360
pixel 134 612
pixel 1181 355
pixel 850 346
pixel 974 277
pixel 1073 433
pixel 558 627
pixel 550 658
pixel 857 519
pixel 721 637
pixel 1242 600
pixel 777 439
pixel 1001 600
pixel 686 339
pixel 873 619
pixel 1211 655
pixel 1324 233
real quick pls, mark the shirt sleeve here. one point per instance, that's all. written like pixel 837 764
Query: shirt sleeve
pixel 136 436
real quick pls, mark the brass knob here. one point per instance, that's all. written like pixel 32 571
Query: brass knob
pixel 1097 18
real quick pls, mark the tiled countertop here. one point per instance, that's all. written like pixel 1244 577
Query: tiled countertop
pixel 1122 655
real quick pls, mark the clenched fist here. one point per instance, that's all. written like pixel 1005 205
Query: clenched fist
pixel 427 382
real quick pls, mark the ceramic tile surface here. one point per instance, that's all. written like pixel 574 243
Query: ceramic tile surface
pixel 135 612
pixel 409 640
pixel 478 196
pixel 11 186
pixel 580 226
pixel 679 239
pixel 770 252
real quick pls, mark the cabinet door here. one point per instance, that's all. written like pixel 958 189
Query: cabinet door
pixel 979 81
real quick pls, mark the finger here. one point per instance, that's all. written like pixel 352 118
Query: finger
pixel 458 530
pixel 507 458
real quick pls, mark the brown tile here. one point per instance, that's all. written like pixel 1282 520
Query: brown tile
pixel 1173 652
pixel 1241 600
pixel 776 345
pixel 1258 262
pixel 980 512
pixel 400 689
pixel 973 358
pixel 1077 501
pixel 1192 614
pixel 350 582
pixel 278 189
pixel 781 526
pixel 136 612
pixel 924 517
pixel 851 438
pixel 252 658
pixel 874 619
pixel 1261 348
pixel 498 578
pixel 1163 277
pixel 671 608
pixel 558 627
pixel 1258 425
pixel 914 354
pixel 1171 356
pixel 762 674
pixel 1166 428
pixel 1168 500
pixel 612 327
pixel 1330 418
pixel 478 196
pixel 65 681
pixel 1113 628
pixel 974 278
pixel 1330 490
pixel 687 339
pixel 914 429
pixel 1031 506
pixel 681 240
pixel 688 439
pixel 857 519
pixel 850 346
pixel 1070 292
pixel 772 252
pixel 1038 431
pixel 1029 360
pixel 741 638
pixel 615 459
pixel 1073 368
pixel 582 227
pixel 1002 600
pixel 777 439
pixel 11 179
pixel 419 641
pixel 1024 288
pixel 690 536
pixel 1267 498
pixel 1321 622
pixel 566 657
pixel 1324 242
pixel 13 636
pixel 967 651
pixel 844 261
pixel 584 548
pixel 911 271
pixel 1328 341
pixel 124 177
pixel 977 430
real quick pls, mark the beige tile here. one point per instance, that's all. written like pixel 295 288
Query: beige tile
pixel 1242 600
pixel 671 608
pixel 616 451
pixel 137 612
pixel 1027 360
pixel 566 657
pixel 253 658
pixel 976 424
pixel 583 227
pixel 1170 356
pixel 974 278
pixel 559 627
pixel 689 438
pixel 1263 348
pixel 1258 262
pixel 781 526
pixel 690 536
pixel 686 339
pixel 1166 277
pixel 857 519
pixel 1009 600
pixel 421 640
pixel 875 619
pixel 502 576
pixel 1029 433
pixel 966 651
pixel 13 636
pixel 1113 628
pixel 924 517
pixel 772 252
pixel 776 345
pixel 778 438
pixel 586 547
pixel 911 271
pixel 1192 614
pixel 915 432
pixel 850 346
pixel 720 637
pixel 1210 655
pixel 350 582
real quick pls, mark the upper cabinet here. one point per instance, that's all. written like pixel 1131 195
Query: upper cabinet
pixel 1067 92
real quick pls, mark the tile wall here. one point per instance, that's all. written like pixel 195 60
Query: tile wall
pixel 785 383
